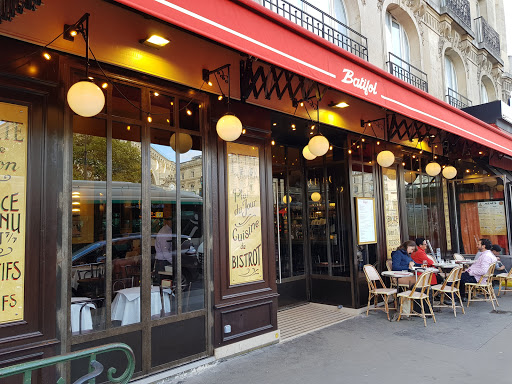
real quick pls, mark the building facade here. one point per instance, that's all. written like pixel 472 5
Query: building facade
pixel 139 224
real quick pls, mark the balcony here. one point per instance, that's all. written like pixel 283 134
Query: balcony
pixel 487 37
pixel 320 23
pixel 407 72
pixel 457 100
pixel 459 10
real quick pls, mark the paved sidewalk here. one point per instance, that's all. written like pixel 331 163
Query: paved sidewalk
pixel 472 348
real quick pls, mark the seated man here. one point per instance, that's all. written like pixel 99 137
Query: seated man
pixel 479 268
pixel 500 268
pixel 420 255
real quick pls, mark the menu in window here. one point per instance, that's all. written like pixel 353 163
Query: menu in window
pixel 13 173
pixel 244 214
pixel 366 223
pixel 391 210
pixel 447 216
pixel 491 215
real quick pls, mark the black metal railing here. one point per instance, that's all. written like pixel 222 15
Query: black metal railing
pixel 407 72
pixel 458 8
pixel 487 37
pixel 457 100
pixel 320 23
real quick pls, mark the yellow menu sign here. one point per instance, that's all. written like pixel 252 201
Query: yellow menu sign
pixel 13 176
pixel 244 214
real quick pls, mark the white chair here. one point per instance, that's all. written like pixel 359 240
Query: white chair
pixel 374 291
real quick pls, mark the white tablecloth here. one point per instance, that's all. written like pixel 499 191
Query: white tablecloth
pixel 126 304
pixel 76 304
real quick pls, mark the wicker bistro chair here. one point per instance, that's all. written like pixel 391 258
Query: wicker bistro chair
pixel 423 285
pixel 503 279
pixel 374 291
pixel 483 286
pixel 451 290
pixel 394 280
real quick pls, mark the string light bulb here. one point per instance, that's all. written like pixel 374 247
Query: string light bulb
pixel 47 56
pixel 189 112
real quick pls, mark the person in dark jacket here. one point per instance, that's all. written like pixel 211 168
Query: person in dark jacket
pixel 402 261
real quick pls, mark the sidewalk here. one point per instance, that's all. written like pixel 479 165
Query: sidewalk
pixel 471 348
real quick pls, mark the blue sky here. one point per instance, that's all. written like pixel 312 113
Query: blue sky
pixel 169 153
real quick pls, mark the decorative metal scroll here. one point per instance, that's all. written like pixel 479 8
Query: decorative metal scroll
pixel 9 8
pixel 271 80
pixel 95 367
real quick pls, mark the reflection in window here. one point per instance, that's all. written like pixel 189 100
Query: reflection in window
pixel 88 225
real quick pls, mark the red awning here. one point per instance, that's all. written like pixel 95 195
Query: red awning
pixel 248 27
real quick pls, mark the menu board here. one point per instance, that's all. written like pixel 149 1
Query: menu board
pixel 447 216
pixel 366 224
pixel 391 210
pixel 491 215
pixel 244 214
pixel 13 174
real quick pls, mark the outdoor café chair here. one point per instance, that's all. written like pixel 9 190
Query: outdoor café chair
pixel 374 290
pixel 394 280
pixel 503 279
pixel 451 290
pixel 483 286
pixel 419 294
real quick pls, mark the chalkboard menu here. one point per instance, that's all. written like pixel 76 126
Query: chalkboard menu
pixel 13 174
pixel 244 214
pixel 366 223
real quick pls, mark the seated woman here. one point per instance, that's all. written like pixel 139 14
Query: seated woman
pixel 402 261
pixel 421 255
pixel 500 268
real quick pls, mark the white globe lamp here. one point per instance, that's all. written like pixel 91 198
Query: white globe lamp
pixel 500 187
pixel 307 153
pixel 85 98
pixel 449 172
pixel 433 169
pixel 316 197
pixel 318 145
pixel 385 158
pixel 229 127
pixel 184 142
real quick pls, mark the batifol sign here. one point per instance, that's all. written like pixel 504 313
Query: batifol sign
pixel 244 214
pixel 13 174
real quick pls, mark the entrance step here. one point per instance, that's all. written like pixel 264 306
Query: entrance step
pixel 300 320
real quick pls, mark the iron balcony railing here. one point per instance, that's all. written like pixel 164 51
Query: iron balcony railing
pixel 487 37
pixel 95 367
pixel 458 8
pixel 457 100
pixel 320 23
pixel 407 72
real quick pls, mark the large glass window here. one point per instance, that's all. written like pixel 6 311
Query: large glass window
pixel 146 237
pixel 450 75
pixel 397 40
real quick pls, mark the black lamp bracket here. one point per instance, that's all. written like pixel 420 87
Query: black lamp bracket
pixel 223 73
pixel 81 27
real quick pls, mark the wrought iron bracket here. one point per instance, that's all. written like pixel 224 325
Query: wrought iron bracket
pixel 9 8
pixel 274 81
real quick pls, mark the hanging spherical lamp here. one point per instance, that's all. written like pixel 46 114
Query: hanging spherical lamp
pixel 287 199
pixel 316 197
pixel 409 177
pixel 385 158
pixel 433 169
pixel 318 145
pixel 85 98
pixel 229 127
pixel 491 183
pixel 500 187
pixel 184 142
pixel 307 153
pixel 449 172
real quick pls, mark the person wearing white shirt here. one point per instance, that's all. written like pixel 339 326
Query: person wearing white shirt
pixel 479 268
pixel 163 247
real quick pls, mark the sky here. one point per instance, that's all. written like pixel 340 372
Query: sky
pixel 508 24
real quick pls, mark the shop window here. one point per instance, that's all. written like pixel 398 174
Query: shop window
pixel 162 108
pixel 189 117
pixel 126 101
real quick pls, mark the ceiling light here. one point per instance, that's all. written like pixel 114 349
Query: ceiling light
pixel 341 105
pixel 155 41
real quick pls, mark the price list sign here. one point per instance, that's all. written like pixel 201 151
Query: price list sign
pixel 13 174
pixel 244 214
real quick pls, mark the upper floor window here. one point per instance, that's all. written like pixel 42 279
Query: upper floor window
pixel 484 96
pixel 450 75
pixel 397 39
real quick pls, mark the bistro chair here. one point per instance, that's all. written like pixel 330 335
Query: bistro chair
pixel 484 287
pixel 419 293
pixel 451 290
pixel 374 290
pixel 503 279
pixel 394 280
